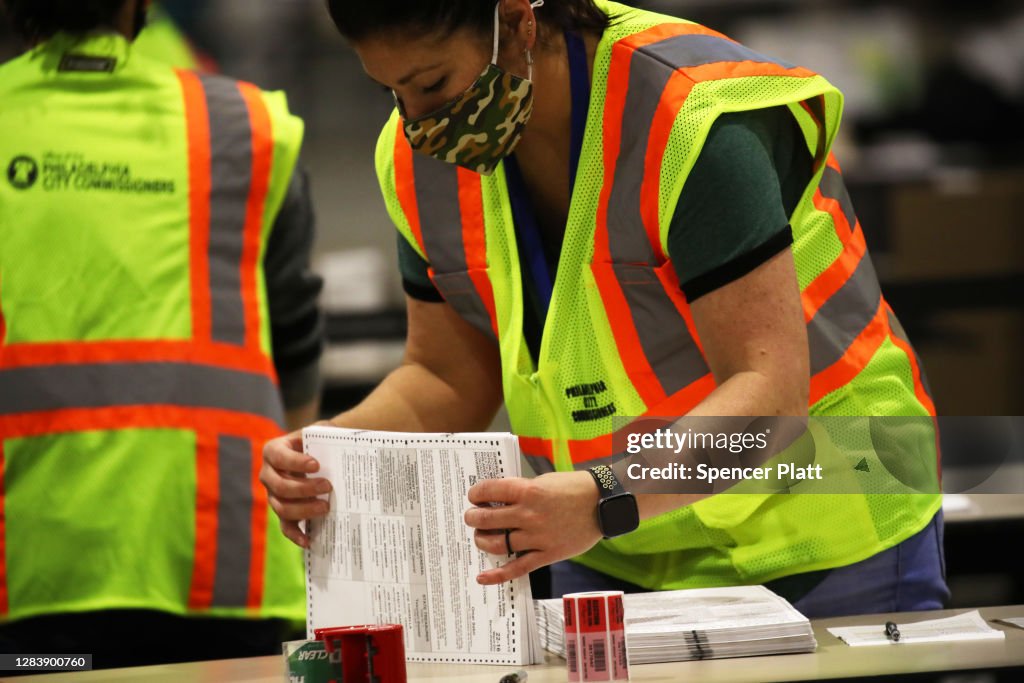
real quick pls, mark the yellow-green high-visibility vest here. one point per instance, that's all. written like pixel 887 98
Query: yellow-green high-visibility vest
pixel 136 381
pixel 619 340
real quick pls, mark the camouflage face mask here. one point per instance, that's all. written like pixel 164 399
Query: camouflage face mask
pixel 483 124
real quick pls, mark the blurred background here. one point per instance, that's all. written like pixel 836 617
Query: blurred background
pixel 932 147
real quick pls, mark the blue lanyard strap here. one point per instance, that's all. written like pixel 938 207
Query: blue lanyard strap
pixel 579 88
pixel 531 244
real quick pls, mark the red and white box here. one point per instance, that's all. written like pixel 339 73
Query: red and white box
pixel 595 637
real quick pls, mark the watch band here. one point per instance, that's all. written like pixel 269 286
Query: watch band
pixel 608 484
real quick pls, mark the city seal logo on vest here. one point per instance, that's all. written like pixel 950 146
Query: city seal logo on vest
pixel 22 172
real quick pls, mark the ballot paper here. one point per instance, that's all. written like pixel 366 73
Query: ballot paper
pixel 394 547
pixel 700 623
pixel 967 626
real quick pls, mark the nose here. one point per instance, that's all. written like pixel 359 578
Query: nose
pixel 415 109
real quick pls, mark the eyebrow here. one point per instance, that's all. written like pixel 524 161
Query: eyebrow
pixel 415 72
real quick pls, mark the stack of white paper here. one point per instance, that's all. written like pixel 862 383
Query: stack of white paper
pixel 395 549
pixel 702 623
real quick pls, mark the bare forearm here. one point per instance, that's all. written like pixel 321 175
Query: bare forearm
pixel 413 399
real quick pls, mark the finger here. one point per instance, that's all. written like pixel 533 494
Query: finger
pixel 495 543
pixel 286 455
pixel 288 486
pixel 513 570
pixel 293 533
pixel 488 517
pixel 293 440
pixel 496 491
pixel 295 510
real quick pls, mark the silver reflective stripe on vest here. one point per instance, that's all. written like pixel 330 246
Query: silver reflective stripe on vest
pixel 459 290
pixel 833 187
pixel 437 196
pixel 650 69
pixel 664 336
pixel 682 52
pixel 234 522
pixel 844 316
pixel 539 464
pixel 105 385
pixel 609 461
pixel 670 350
pixel 230 183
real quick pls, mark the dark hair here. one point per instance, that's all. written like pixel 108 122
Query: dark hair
pixel 357 19
pixel 35 20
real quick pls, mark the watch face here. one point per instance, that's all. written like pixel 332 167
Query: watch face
pixel 618 515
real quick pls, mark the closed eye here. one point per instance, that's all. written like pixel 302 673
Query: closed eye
pixel 436 86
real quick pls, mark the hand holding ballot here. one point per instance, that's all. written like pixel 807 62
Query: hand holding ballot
pixel 543 516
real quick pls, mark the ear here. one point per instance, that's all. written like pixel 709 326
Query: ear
pixel 518 23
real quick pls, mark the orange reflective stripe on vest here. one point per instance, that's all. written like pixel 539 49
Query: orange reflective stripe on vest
pixel 848 315
pixel 405 183
pixel 640 109
pixel 230 538
pixel 136 351
pixel 435 193
pixel 228 566
pixel 230 152
pixel 899 337
pixel 218 384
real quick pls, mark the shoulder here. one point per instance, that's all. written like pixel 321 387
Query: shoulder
pixel 734 133
pixel 389 135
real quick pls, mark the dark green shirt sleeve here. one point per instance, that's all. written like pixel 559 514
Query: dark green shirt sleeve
pixel 415 280
pixel 733 212
pixel 296 321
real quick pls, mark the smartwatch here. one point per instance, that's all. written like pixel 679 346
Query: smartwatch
pixel 617 512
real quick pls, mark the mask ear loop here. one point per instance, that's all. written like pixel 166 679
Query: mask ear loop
pixel 494 51
pixel 529 58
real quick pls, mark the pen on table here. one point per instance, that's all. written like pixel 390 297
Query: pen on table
pixel 891 631
pixel 517 677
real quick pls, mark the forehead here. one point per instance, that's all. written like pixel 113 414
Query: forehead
pixel 384 55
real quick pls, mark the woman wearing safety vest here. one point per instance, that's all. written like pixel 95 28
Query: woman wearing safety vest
pixel 606 214
pixel 158 324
